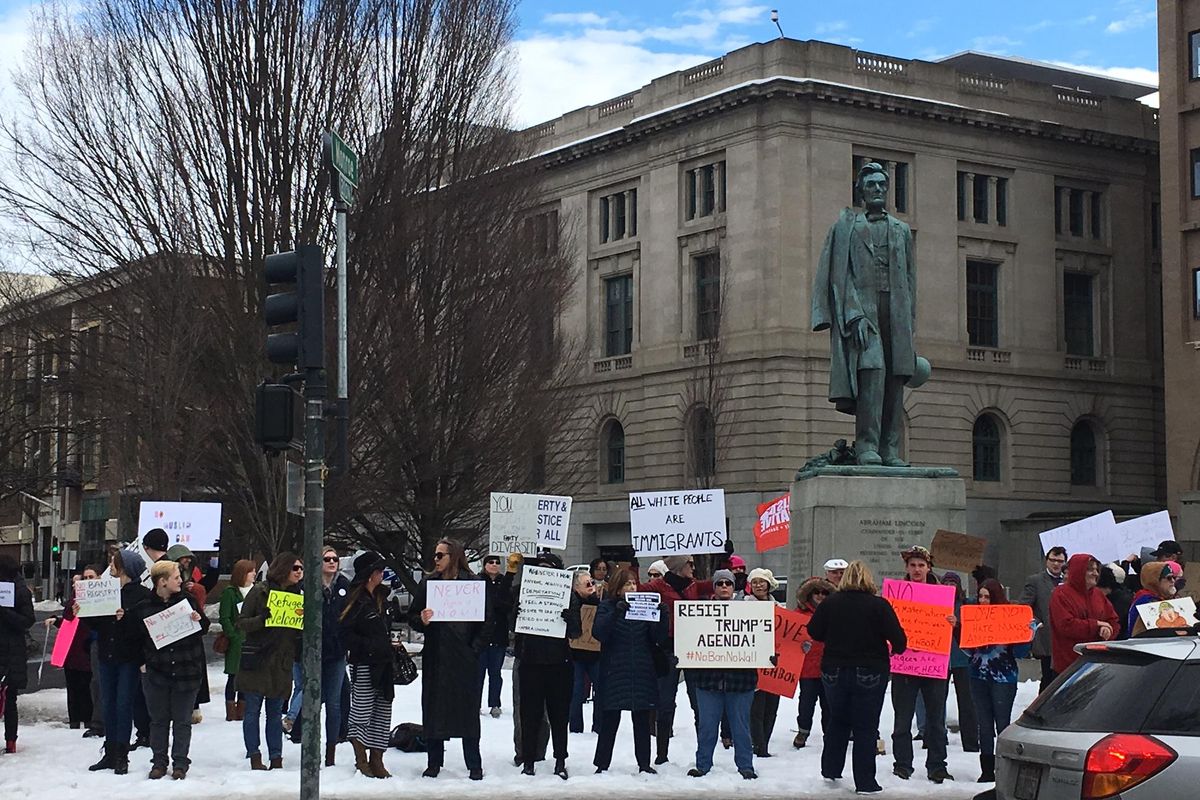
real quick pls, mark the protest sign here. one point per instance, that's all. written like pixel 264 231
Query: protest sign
pixel 998 624
pixel 921 664
pixel 586 641
pixel 167 627
pixel 791 634
pixel 286 610
pixel 934 594
pixel 197 525
pixel 957 551
pixel 62 642
pixel 1178 612
pixel 724 633
pixel 98 598
pixel 1134 534
pixel 907 595
pixel 545 593
pixel 643 606
pixel 677 523
pixel 771 527
pixel 1096 535
pixel 520 523
pixel 925 626
pixel 8 594
pixel 1191 573
pixel 456 601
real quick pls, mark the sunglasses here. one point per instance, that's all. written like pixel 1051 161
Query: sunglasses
pixel 723 583
pixel 439 556
pixel 821 591
pixel 491 561
pixel 653 574
pixel 297 568
pixel 330 559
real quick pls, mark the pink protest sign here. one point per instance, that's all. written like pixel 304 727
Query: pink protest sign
pixel 921 664
pixel 933 594
pixel 62 642
pixel 918 662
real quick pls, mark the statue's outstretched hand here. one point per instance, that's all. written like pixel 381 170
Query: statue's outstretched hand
pixel 862 330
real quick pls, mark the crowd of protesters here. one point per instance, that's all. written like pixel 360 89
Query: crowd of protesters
pixel 138 694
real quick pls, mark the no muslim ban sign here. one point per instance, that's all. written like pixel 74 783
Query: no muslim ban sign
pixel 677 523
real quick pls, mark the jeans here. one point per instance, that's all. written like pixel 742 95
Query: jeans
pixel 610 723
pixel 968 725
pixel 293 706
pixel 811 691
pixel 170 705
pixel 855 698
pixel 993 709
pixel 905 689
pixel 436 753
pixel 585 669
pixel 333 676
pixel 250 732
pixel 491 664
pixel 118 689
pixel 762 720
pixel 712 705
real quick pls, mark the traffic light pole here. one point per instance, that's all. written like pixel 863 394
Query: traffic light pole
pixel 314 535
pixel 342 461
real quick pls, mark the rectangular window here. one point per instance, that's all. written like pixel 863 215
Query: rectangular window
pixel 708 295
pixel 900 181
pixel 618 216
pixel 1077 314
pixel 1095 216
pixel 983 317
pixel 705 187
pixel 1058 210
pixel 1075 212
pixel 1002 202
pixel 979 192
pixel 604 220
pixel 1195 159
pixel 962 197
pixel 1156 226
pixel 1194 55
pixel 708 190
pixel 1196 293
pixel 618 316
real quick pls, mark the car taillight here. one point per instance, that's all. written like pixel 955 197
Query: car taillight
pixel 1120 761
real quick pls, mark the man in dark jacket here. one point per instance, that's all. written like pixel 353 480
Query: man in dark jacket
pixel 727 692
pixel 491 660
pixel 1036 594
pixel 15 621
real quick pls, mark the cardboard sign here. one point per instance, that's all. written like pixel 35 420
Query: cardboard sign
pixel 921 664
pixel 913 661
pixel 586 641
pixel 197 525
pixel 957 551
pixel 1178 612
pixel 456 601
pixel 98 598
pixel 545 592
pixel 1147 531
pixel 167 627
pixel 287 610
pixel 724 633
pixel 520 523
pixel 1191 573
pixel 925 626
pixel 62 642
pixel 998 624
pixel 771 527
pixel 677 523
pixel 643 606
pixel 8 594
pixel 791 634
pixel 1096 535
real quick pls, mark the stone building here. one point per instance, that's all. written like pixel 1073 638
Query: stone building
pixel 697 207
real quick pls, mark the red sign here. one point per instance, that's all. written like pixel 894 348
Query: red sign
pixel 791 634
pixel 771 529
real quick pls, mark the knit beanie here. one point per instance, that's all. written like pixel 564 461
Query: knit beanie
pixel 722 575
pixel 156 539
pixel 676 563
pixel 660 567
pixel 133 565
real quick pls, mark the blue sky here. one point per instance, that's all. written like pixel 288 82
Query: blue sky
pixel 577 52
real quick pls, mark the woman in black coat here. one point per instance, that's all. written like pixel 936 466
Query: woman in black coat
pixel 15 622
pixel 366 630
pixel 628 676
pixel 450 689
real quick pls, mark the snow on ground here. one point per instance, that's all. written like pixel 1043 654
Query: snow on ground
pixel 52 761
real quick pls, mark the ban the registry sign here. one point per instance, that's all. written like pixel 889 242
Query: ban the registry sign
pixel 719 633
pixel 677 523
pixel 521 523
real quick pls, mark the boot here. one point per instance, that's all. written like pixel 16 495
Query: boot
pixel 156 773
pixel 330 754
pixel 240 710
pixel 987 767
pixel 560 768
pixel 120 759
pixel 256 762
pixel 106 761
pixel 10 746
pixel 360 758
pixel 277 762
pixel 800 740
pixel 230 711
pixel 376 764
pixel 661 744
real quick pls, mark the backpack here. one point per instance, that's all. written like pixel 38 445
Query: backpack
pixel 408 737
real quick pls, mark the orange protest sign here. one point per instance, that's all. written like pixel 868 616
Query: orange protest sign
pixel 771 528
pixel 781 679
pixel 925 625
pixel 1000 624
pixel 791 633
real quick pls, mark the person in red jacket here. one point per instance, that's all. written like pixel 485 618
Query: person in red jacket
pixel 810 595
pixel 1079 612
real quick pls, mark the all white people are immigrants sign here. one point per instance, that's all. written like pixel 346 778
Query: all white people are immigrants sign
pixel 677 523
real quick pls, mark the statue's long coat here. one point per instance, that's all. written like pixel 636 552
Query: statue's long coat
pixel 844 292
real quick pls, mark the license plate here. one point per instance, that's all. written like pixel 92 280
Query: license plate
pixel 1029 780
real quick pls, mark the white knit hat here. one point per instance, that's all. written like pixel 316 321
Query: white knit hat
pixel 765 574
pixel 659 566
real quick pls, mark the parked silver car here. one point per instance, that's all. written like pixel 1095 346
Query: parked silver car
pixel 1122 722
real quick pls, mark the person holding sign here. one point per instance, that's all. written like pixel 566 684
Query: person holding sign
pixel 15 619
pixel 450 692
pixel 77 668
pixel 172 673
pixel 271 645
pixel 1079 612
pixel 811 594
pixel 857 627
pixel 1158 580
pixel 993 674
pixel 241 580
pixel 765 707
pixel 585 650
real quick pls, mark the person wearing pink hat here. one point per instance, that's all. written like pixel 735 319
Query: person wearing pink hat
pixel 737 565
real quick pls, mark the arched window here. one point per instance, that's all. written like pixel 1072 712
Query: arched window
pixel 985 448
pixel 613 452
pixel 703 444
pixel 1083 454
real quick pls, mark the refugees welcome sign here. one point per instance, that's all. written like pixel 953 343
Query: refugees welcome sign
pixel 677 523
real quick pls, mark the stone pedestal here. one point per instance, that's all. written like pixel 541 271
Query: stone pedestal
pixel 870 514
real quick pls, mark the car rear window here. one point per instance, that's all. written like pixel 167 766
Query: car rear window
pixel 1107 692
pixel 1178 709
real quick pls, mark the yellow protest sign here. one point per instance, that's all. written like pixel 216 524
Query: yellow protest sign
pixel 287 610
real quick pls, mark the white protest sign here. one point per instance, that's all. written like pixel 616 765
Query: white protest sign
pixel 8 594
pixel 98 598
pixel 171 625
pixel 545 593
pixel 1178 612
pixel 1147 531
pixel 643 606
pixel 456 601
pixel 520 523
pixel 197 525
pixel 723 633
pixel 1096 535
pixel 677 523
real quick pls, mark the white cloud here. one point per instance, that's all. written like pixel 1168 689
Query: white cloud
pixel 920 26
pixel 1137 14
pixel 826 28
pixel 1135 74
pixel 575 18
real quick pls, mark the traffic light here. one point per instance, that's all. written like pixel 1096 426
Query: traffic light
pixel 274 416
pixel 305 306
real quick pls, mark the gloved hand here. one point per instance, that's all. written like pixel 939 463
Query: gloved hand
pixel 566 612
pixel 662 608
pixel 517 608
pixel 514 562
pixel 775 659
pixel 633 562
pixel 729 547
